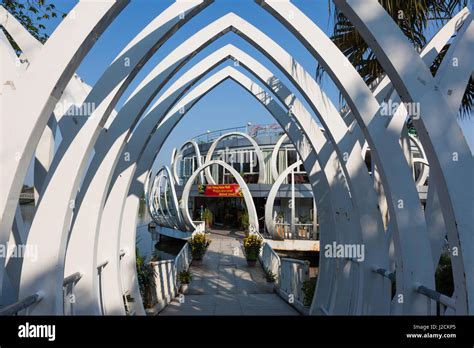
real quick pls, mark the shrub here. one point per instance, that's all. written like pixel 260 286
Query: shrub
pixel 199 243
pixel 146 280
pixel 308 288
pixel 270 276
pixel 185 277
pixel 208 218
pixel 444 275
pixel 244 220
pixel 252 245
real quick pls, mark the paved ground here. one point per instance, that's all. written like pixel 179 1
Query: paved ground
pixel 225 285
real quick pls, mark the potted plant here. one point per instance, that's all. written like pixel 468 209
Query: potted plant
pixel 199 244
pixel 302 230
pixel 280 228
pixel 146 280
pixel 244 221
pixel 208 218
pixel 184 278
pixel 252 246
pixel 308 288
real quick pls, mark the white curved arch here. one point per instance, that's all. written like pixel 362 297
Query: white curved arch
pixel 45 80
pixel 178 154
pixel 442 184
pixel 177 219
pixel 395 174
pixel 269 222
pixel 253 218
pixel 258 153
pixel 63 187
pixel 164 129
pixel 411 77
pixel 274 157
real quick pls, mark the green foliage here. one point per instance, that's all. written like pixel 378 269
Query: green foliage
pixel 270 276
pixel 244 220
pixel 32 14
pixel 146 280
pixel 308 288
pixel 444 275
pixel 280 216
pixel 208 217
pixel 303 219
pixel 199 244
pixel 252 245
pixel 415 19
pixel 185 277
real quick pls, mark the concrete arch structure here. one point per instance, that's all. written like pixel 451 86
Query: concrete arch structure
pixel 177 219
pixel 46 79
pixel 414 255
pixel 178 153
pixel 258 153
pixel 269 220
pixel 253 218
pixel 451 173
pixel 274 157
pixel 282 117
pixel 237 21
pixel 61 188
pixel 365 107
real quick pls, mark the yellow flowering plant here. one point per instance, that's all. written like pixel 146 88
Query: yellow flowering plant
pixel 252 245
pixel 199 243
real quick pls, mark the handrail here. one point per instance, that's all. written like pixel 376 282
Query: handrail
pixel 290 260
pixel 73 278
pixel 21 305
pixel 102 265
pixel 385 273
pixel 437 296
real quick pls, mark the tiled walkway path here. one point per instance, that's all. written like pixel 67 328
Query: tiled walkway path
pixel 225 285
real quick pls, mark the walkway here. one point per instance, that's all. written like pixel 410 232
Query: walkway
pixel 225 285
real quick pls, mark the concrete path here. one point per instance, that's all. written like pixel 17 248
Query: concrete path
pixel 225 285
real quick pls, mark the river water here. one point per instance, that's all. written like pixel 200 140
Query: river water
pixel 144 241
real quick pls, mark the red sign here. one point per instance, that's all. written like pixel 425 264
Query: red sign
pixel 227 190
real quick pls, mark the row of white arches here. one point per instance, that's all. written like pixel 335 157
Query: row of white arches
pixel 92 229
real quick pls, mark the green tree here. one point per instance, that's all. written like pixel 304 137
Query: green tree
pixel 415 18
pixel 32 14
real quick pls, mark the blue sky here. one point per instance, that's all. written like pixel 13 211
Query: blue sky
pixel 226 106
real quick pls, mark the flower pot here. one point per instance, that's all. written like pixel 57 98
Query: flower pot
pixel 184 288
pixel 280 233
pixel 197 262
pixel 251 263
pixel 302 232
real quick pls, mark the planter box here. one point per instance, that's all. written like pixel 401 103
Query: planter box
pixel 184 288
pixel 197 262
pixel 153 310
pixel 251 263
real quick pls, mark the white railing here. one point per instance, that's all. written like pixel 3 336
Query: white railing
pixel 301 231
pixel 69 298
pixel 166 279
pixel 290 275
pixel 293 273
pixel 270 261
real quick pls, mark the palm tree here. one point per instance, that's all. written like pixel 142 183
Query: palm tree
pixel 415 18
